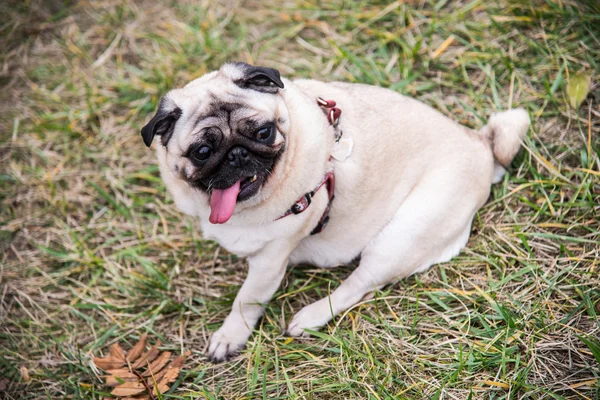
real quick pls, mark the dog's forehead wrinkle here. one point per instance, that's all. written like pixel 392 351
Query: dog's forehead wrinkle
pixel 224 114
pixel 231 101
pixel 252 118
pixel 228 94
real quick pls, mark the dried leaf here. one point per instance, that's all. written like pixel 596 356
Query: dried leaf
pixel 138 349
pixel 121 372
pixel 171 375
pixel 142 397
pixel 147 357
pixel 128 389
pixel 128 380
pixel 160 388
pixel 179 360
pixel 114 381
pixel 578 89
pixel 135 398
pixel 116 358
pixel 25 374
pixel 108 363
pixel 119 376
pixel 157 377
pixel 158 364
pixel 172 370
pixel 116 351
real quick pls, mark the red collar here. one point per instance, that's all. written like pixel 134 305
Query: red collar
pixel 303 202
pixel 333 115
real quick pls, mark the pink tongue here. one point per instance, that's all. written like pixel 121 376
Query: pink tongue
pixel 222 203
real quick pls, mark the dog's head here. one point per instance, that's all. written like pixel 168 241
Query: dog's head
pixel 223 133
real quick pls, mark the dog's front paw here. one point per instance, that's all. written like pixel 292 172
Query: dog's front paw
pixel 227 342
pixel 310 317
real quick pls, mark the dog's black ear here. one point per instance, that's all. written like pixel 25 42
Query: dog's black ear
pixel 162 124
pixel 261 79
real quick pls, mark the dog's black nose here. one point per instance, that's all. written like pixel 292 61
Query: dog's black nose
pixel 238 157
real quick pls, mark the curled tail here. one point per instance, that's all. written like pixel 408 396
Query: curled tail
pixel 504 132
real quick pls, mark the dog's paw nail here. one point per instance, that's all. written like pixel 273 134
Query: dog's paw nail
pixel 224 347
pixel 304 319
pixel 295 331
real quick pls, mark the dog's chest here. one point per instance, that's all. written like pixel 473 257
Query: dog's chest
pixel 324 253
pixel 242 241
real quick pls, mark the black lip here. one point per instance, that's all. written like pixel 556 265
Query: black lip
pixel 249 189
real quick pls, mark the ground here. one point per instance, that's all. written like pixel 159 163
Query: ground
pixel 94 252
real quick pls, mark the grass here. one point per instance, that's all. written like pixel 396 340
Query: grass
pixel 94 251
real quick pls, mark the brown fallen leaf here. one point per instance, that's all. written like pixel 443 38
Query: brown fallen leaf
pixel 25 374
pixel 179 360
pixel 116 351
pixel 128 389
pixel 160 388
pixel 147 357
pixel 138 349
pixel 119 376
pixel 158 364
pixel 170 373
pixel 134 398
pixel 142 397
pixel 115 359
pixel 128 381
pixel 170 376
pixel 108 363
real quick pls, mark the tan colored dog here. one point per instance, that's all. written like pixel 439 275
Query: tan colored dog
pixel 240 147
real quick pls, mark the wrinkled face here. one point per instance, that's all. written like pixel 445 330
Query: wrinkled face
pixel 223 133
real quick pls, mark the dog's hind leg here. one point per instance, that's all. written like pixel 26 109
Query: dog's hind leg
pixel 431 226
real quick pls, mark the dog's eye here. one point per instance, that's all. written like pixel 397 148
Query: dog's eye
pixel 202 153
pixel 264 134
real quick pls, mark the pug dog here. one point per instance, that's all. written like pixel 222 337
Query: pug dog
pixel 286 172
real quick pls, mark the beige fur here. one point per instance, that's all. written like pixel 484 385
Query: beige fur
pixel 404 199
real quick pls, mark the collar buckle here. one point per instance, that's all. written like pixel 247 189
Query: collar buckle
pixel 302 204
